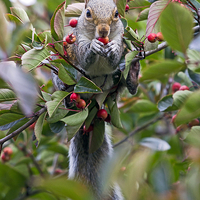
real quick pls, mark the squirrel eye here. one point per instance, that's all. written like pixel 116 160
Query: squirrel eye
pixel 88 14
pixel 116 14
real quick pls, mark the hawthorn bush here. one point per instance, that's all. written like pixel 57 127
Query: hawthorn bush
pixel 156 132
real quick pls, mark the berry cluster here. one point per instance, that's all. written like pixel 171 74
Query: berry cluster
pixel 75 98
pixel 152 37
pixel 177 87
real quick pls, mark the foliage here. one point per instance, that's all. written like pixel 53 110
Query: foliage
pixel 154 158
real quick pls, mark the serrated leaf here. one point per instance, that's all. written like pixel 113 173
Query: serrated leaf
pixel 155 11
pixel 189 110
pixel 86 86
pixel 143 15
pixel 76 119
pixel 121 7
pixel 7 95
pixel 20 13
pixel 57 97
pixel 97 136
pixel 74 9
pixel 39 126
pixel 65 76
pixel 129 58
pixel 155 144
pixel 23 84
pixel 160 69
pixel 33 58
pixel 176 26
pixel 115 116
pixel 165 103
pixel 57 22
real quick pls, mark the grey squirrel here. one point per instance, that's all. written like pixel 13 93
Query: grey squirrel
pixel 100 18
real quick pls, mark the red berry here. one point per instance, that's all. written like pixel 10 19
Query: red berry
pixel 182 127
pixel 70 39
pixel 74 97
pixel 126 8
pixel 108 118
pixel 102 113
pixel 8 151
pixel 58 171
pixel 81 104
pixel 32 126
pixel 194 122
pixel 184 87
pixel 151 37
pixel 5 157
pixel 159 37
pixel 173 118
pixel 88 130
pixel 64 43
pixel 73 22
pixel 104 40
pixel 176 86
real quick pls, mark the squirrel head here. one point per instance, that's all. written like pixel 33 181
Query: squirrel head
pixel 101 13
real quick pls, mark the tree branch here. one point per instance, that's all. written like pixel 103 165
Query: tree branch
pixel 19 130
pixel 137 130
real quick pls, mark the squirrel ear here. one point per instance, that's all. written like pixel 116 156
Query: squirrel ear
pixel 86 2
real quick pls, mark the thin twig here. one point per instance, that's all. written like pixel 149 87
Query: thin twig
pixel 19 130
pixel 137 130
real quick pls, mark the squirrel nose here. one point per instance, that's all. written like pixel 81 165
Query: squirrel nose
pixel 103 30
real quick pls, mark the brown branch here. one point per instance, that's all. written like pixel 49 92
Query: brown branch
pixel 137 130
pixel 19 130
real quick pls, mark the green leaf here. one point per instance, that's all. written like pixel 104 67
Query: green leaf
pixel 130 34
pixel 121 7
pixel 7 95
pixel 32 58
pixel 57 127
pixel 64 187
pixel 72 130
pixel 86 86
pixel 193 60
pixel 39 126
pixel 100 98
pixel 90 117
pixel 45 36
pixel 20 13
pixel 14 19
pixel 115 116
pixel 74 9
pixel 11 177
pixel 189 110
pixel 65 76
pixel 185 79
pixel 165 103
pixel 194 136
pixel 176 26
pixel 56 116
pixel 8 118
pixel 57 22
pixel 160 69
pixel 23 84
pixel 143 15
pixel 97 135
pixel 76 119
pixel 144 106
pixel 155 144
pixel 57 97
pixel 139 4
pixel 58 148
pixel 129 58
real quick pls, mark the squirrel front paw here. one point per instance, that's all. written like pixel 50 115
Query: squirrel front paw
pixel 97 47
pixel 111 48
